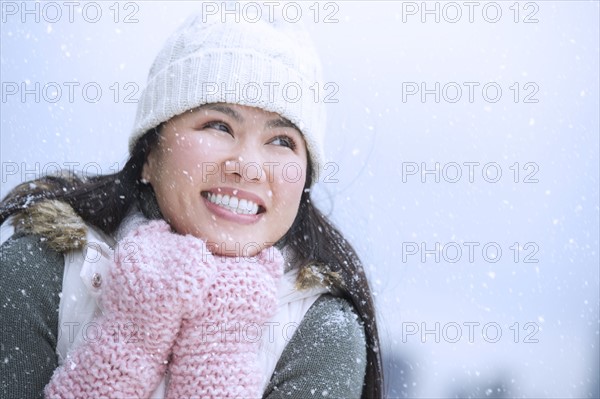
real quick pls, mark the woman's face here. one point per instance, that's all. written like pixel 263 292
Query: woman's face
pixel 229 174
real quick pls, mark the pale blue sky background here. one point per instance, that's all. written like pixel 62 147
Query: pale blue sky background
pixel 371 53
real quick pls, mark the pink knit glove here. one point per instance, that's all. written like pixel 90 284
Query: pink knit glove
pixel 216 353
pixel 158 277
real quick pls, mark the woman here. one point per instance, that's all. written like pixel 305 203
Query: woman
pixel 202 268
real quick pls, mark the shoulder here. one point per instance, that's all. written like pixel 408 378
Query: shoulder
pixel 332 321
pixel 326 355
pixel 34 254
pixel 27 251
pixel 30 285
pixel 30 268
pixel 31 281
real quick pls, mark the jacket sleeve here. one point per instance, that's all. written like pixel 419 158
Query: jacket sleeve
pixel 30 285
pixel 326 357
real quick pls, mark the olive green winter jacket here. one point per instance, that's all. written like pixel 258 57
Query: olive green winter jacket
pixel 322 359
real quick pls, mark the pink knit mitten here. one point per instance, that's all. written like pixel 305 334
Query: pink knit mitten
pixel 216 353
pixel 158 276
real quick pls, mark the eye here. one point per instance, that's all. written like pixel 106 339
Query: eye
pixel 218 125
pixel 284 141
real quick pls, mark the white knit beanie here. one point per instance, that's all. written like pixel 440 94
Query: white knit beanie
pixel 271 65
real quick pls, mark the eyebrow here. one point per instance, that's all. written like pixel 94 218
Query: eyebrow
pixel 271 124
pixel 223 109
pixel 281 122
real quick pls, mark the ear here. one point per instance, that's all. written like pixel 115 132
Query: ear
pixel 149 167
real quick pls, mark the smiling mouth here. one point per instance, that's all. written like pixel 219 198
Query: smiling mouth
pixel 234 204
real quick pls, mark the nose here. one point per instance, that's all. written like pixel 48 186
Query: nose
pixel 247 163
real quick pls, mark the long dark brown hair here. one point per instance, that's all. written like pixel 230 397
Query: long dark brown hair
pixel 103 201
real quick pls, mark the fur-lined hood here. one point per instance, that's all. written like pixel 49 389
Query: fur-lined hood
pixel 56 221
pixel 64 230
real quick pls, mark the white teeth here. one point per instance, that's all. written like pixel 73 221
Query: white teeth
pixel 234 204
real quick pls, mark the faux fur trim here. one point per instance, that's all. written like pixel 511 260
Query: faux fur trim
pixel 312 276
pixel 56 221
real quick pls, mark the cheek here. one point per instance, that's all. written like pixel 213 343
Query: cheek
pixel 292 175
pixel 185 163
pixel 200 154
pixel 288 190
pixel 289 180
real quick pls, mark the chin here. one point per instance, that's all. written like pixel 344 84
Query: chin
pixel 235 247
